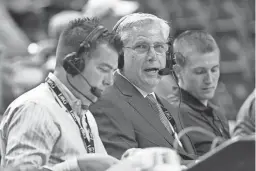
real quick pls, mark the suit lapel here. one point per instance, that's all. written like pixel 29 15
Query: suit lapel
pixel 142 106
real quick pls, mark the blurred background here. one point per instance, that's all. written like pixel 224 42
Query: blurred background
pixel 30 28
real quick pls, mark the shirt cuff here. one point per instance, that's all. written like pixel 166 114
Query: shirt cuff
pixel 69 165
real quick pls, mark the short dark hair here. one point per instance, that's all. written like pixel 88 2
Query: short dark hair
pixel 77 31
pixel 196 40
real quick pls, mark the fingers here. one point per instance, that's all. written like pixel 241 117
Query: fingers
pixel 96 159
pixel 167 158
pixel 166 167
pixel 130 152
pixel 151 157
pixel 99 156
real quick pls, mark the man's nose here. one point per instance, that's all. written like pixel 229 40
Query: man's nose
pixel 152 54
pixel 208 78
pixel 109 80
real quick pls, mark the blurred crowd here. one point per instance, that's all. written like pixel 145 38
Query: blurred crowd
pixel 30 30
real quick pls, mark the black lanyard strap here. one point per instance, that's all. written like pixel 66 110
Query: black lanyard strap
pixel 169 117
pixel 88 143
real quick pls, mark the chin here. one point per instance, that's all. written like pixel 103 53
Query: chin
pixel 152 82
pixel 151 87
pixel 207 97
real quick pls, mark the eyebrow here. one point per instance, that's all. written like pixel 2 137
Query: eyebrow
pixel 216 66
pixel 141 41
pixel 106 65
pixel 204 67
pixel 146 41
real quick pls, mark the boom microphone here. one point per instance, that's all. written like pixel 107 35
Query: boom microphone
pixel 94 90
pixel 165 71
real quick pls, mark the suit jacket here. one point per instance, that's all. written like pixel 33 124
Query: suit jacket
pixel 127 120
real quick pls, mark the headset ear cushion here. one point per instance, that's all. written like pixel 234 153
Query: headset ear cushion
pixel 169 56
pixel 73 64
pixel 66 62
pixel 121 60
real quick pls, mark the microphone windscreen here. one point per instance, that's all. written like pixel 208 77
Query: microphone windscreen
pixel 165 71
pixel 96 92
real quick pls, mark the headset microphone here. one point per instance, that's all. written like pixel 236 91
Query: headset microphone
pixel 94 90
pixel 165 71
pixel 74 64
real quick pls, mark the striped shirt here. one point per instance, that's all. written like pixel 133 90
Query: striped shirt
pixel 37 130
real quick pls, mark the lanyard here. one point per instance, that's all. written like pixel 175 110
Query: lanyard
pixel 89 143
pixel 172 123
pixel 170 118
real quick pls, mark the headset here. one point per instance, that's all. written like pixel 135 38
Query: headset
pixel 74 63
pixel 170 61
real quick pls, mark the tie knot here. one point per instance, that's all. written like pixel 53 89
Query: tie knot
pixel 152 98
pixel 150 95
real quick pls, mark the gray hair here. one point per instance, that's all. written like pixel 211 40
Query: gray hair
pixel 127 22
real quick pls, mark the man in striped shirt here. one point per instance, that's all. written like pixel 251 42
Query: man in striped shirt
pixel 50 126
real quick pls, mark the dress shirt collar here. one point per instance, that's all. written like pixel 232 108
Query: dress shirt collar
pixel 142 92
pixel 194 103
pixel 74 102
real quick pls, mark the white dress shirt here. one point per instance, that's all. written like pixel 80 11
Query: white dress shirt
pixel 142 92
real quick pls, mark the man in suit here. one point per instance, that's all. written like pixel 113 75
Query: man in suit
pixel 130 114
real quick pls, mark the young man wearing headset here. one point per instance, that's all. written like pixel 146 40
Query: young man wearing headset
pixel 50 126
pixel 197 68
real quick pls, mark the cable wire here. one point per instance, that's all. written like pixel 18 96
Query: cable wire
pixel 192 129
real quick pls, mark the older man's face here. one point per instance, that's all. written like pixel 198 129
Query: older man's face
pixel 141 65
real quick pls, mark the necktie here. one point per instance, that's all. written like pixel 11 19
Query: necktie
pixel 163 117
pixel 161 114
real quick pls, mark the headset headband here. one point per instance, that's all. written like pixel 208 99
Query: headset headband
pixel 94 34
pixel 119 22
